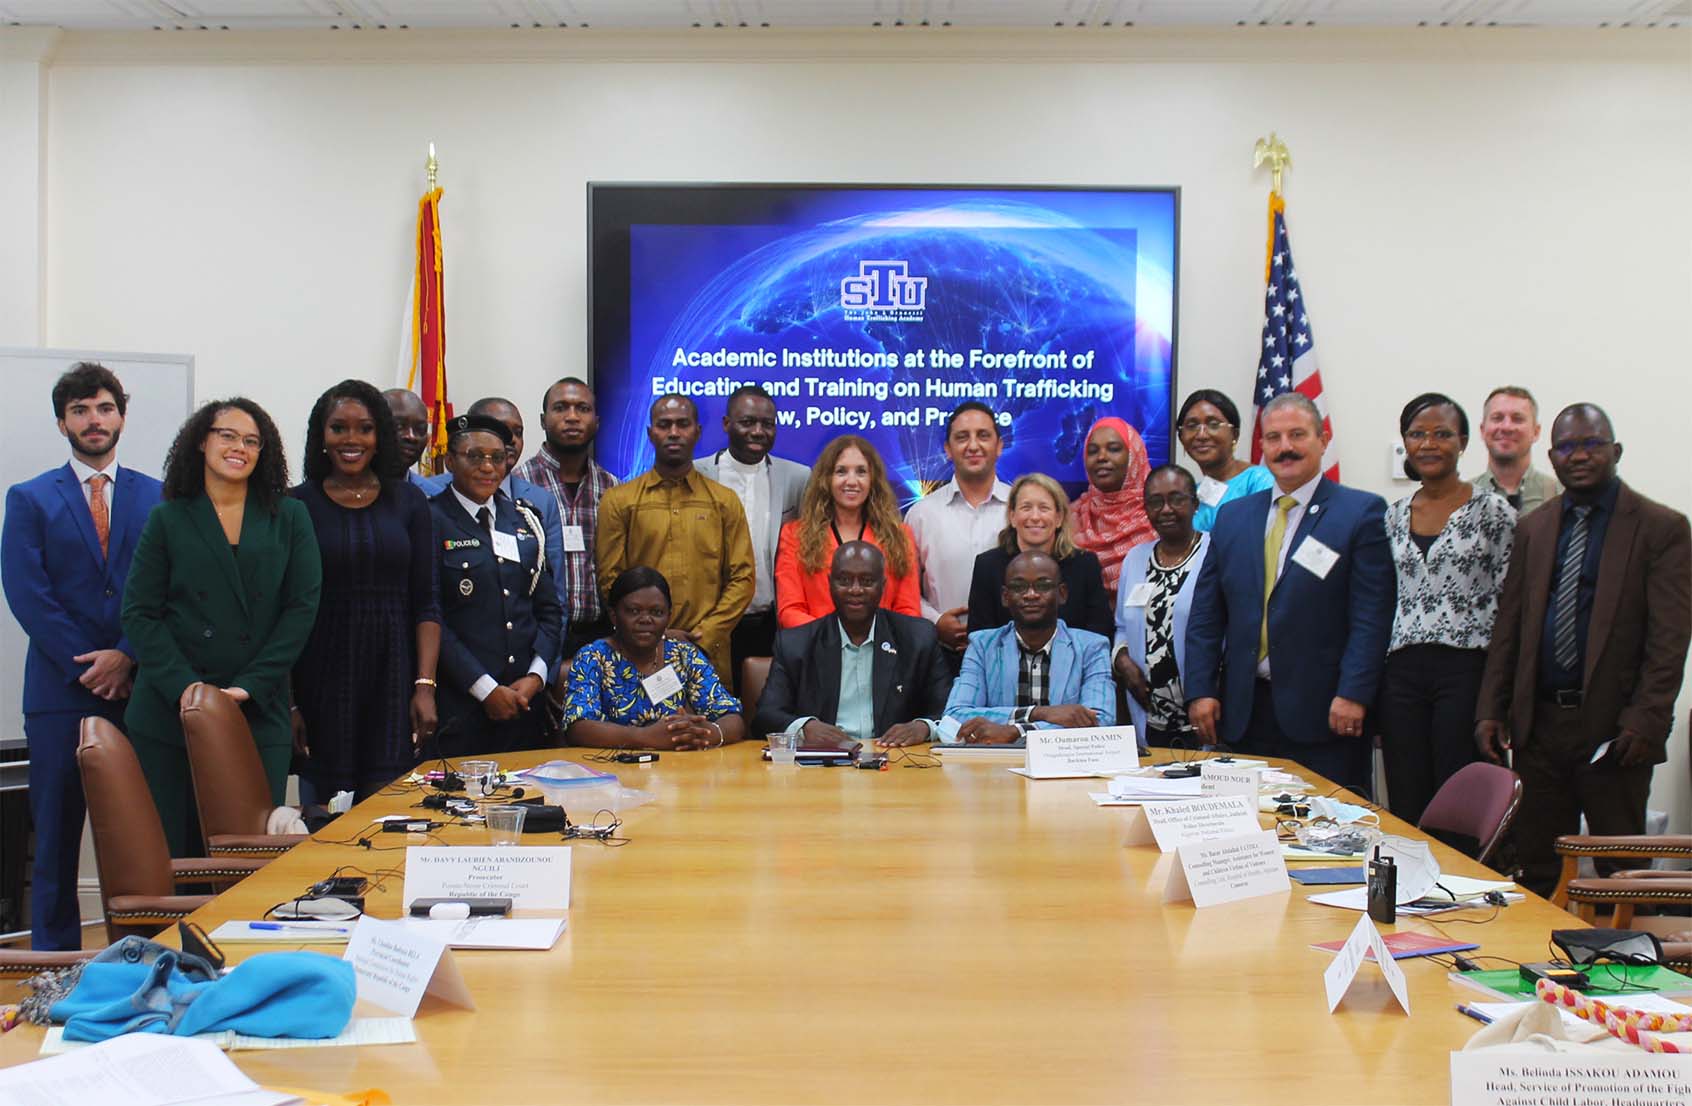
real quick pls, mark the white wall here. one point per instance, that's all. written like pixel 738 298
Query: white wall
pixel 1467 208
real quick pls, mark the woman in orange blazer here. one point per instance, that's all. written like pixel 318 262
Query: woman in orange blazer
pixel 848 498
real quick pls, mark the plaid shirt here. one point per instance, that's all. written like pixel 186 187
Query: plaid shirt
pixel 1032 673
pixel 581 585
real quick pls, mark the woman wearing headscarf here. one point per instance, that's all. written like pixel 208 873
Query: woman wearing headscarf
pixel 1110 516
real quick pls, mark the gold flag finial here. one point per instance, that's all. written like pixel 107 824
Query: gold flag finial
pixel 1273 151
pixel 433 167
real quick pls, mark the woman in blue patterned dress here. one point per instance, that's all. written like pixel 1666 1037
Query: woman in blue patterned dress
pixel 640 689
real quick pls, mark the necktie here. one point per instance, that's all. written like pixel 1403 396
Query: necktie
pixel 485 517
pixel 97 507
pixel 1563 643
pixel 1271 563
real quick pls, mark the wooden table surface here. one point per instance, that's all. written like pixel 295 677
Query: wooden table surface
pixel 950 935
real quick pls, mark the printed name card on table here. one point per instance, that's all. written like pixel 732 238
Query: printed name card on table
pixel 1364 939
pixel 395 967
pixel 533 878
pixel 1229 779
pixel 1504 1077
pixel 1081 752
pixel 1227 869
pixel 1171 825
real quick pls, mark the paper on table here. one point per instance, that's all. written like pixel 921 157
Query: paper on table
pixel 137 1069
pixel 1365 938
pixel 490 933
pixel 1357 898
pixel 290 933
pixel 1294 853
pixel 1646 1001
pixel 359 1031
pixel 1155 787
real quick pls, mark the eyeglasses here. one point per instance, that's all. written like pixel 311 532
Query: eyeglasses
pixel 1176 500
pixel 235 437
pixel 855 583
pixel 476 459
pixel 1193 426
pixel 1568 449
pixel 1442 435
pixel 1023 587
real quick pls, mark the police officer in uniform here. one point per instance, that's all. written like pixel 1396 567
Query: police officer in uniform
pixel 501 619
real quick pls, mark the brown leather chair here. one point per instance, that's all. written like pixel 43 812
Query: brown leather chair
pixel 1571 847
pixel 138 878
pixel 1625 890
pixel 28 963
pixel 230 788
pixel 754 674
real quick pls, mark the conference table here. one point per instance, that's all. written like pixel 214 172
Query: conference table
pixel 953 934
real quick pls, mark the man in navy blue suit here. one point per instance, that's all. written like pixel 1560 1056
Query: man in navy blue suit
pixel 64 555
pixel 1294 674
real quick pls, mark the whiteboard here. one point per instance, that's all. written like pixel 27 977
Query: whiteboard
pixel 161 396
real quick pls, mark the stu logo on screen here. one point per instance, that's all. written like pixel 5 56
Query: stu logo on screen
pixel 883 292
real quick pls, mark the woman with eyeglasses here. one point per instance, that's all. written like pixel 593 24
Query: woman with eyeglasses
pixel 1209 428
pixel 1037 518
pixel 364 688
pixel 223 590
pixel 1451 545
pixel 1110 516
pixel 642 689
pixel 1154 598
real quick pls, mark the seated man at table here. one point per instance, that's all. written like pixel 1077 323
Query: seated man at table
pixel 861 673
pixel 1034 672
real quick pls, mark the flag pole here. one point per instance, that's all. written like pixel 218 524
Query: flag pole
pixel 433 168
pixel 1271 150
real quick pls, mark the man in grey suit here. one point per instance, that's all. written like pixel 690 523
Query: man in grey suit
pixel 768 489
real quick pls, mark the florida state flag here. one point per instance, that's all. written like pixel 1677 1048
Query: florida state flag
pixel 426 369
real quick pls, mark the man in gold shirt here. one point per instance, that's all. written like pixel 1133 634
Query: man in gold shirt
pixel 690 528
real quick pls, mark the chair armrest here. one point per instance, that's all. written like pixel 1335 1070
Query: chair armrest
pixel 1663 844
pixel 1651 873
pixel 24 963
pixel 221 872
pixel 159 910
pixel 1617 889
pixel 268 845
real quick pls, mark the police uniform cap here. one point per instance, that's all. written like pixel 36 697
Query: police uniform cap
pixel 465 424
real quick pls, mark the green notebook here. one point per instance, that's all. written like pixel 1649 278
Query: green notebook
pixel 1608 981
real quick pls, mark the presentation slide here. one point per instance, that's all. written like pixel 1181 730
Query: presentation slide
pixel 876 310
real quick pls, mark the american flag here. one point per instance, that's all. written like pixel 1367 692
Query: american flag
pixel 1288 359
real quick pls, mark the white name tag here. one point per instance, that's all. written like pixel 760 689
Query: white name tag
pixel 661 684
pixel 1089 751
pixel 1211 491
pixel 1139 595
pixel 534 877
pixel 1315 558
pixel 1338 977
pixel 505 546
pixel 1227 869
pixel 574 541
pixel 1228 779
pixel 394 967
pixel 1502 1077
pixel 1171 825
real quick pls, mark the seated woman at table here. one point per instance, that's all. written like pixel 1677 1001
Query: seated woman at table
pixel 848 499
pixel 1209 428
pixel 1037 517
pixel 1154 598
pixel 641 689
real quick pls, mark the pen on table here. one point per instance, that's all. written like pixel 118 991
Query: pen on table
pixel 302 929
pixel 1469 1011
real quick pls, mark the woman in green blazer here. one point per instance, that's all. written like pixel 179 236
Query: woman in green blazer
pixel 223 589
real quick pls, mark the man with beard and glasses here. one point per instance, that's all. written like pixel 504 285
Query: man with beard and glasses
pixel 1293 611
pixel 65 552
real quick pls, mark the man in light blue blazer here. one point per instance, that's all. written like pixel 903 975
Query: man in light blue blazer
pixel 1293 676
pixel 64 556
pixel 1034 672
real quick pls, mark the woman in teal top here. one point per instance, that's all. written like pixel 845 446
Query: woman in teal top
pixel 1209 429
pixel 223 590
pixel 640 688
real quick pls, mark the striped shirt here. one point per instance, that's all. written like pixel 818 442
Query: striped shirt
pixel 577 578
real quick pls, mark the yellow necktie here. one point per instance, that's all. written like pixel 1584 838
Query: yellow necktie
pixel 1271 562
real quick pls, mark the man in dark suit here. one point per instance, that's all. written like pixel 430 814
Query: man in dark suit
pixel 502 622
pixel 65 552
pixel 1293 674
pixel 1588 650
pixel 864 673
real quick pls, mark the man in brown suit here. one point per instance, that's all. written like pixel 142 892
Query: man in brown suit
pixel 1589 648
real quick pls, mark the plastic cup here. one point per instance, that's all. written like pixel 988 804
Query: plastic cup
pixel 505 825
pixel 782 747
pixel 477 774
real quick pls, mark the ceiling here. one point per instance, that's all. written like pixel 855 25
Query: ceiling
pixel 395 15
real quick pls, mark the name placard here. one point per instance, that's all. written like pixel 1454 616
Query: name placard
pixel 1227 869
pixel 1080 752
pixel 395 967
pixel 533 878
pixel 1171 825
pixel 1229 779
pixel 1364 939
pixel 1502 1077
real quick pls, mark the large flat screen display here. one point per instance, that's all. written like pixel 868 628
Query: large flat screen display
pixel 875 310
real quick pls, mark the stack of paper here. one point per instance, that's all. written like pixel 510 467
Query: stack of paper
pixel 137 1069
pixel 490 933
pixel 1657 1004
pixel 1134 790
